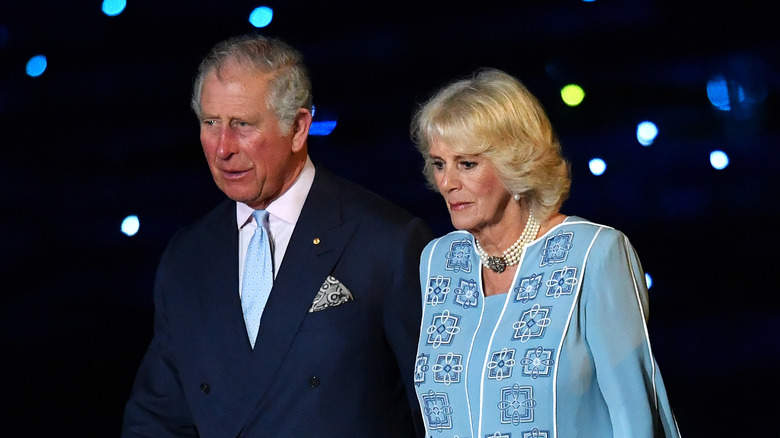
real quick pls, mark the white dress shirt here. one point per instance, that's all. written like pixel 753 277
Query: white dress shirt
pixel 283 214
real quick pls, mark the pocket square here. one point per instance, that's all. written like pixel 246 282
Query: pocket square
pixel 332 293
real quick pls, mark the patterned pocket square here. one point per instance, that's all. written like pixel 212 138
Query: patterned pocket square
pixel 332 293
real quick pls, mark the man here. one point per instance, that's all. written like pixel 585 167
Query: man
pixel 333 352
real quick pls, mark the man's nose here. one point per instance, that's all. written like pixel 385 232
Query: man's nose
pixel 228 143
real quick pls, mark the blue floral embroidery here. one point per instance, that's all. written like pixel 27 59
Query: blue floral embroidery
pixel 436 407
pixel 529 287
pixel 442 329
pixel 536 433
pixel 499 435
pixel 563 282
pixel 466 293
pixel 438 288
pixel 459 256
pixel 556 248
pixel 501 363
pixel 448 368
pixel 517 404
pixel 420 368
pixel 532 323
pixel 537 362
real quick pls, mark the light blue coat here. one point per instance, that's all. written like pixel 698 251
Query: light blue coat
pixel 565 353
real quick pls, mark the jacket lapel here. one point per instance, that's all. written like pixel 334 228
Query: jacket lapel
pixel 316 244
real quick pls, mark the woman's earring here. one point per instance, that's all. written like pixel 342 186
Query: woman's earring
pixel 517 196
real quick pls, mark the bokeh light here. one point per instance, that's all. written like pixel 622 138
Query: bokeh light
pixel 261 17
pixel 131 225
pixel 36 66
pixel 113 7
pixel 646 132
pixel 719 160
pixel 322 128
pixel 648 280
pixel 572 94
pixel 597 166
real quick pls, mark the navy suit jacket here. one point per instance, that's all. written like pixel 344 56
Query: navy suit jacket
pixel 341 372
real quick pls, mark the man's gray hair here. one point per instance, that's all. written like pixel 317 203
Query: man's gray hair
pixel 290 87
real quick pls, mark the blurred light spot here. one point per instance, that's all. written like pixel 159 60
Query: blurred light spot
pixel 130 225
pixel 322 128
pixel 113 7
pixel 718 93
pixel 4 36
pixel 597 166
pixel 572 94
pixel 36 65
pixel 725 95
pixel 261 17
pixel 719 160
pixel 648 280
pixel 646 132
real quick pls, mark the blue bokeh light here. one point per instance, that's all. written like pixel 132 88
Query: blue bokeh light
pixel 261 17
pixel 597 166
pixel 131 225
pixel 719 160
pixel 322 128
pixel 646 132
pixel 722 93
pixel 648 280
pixel 36 66
pixel 113 7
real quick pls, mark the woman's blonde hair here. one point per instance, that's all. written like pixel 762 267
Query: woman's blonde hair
pixel 493 115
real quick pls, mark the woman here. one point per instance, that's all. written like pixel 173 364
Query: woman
pixel 534 323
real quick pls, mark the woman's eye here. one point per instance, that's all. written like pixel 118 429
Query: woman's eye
pixel 437 165
pixel 468 164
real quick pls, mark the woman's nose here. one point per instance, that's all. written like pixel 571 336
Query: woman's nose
pixel 449 179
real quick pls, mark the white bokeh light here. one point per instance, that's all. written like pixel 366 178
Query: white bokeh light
pixel 597 166
pixel 130 225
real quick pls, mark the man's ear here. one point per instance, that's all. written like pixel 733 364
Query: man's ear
pixel 300 129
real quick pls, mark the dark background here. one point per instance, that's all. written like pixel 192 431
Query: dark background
pixel 107 131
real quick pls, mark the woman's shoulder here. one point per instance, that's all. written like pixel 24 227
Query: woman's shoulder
pixel 449 242
pixel 603 236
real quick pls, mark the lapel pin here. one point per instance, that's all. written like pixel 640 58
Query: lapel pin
pixel 316 241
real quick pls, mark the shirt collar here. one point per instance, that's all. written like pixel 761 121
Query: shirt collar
pixel 286 207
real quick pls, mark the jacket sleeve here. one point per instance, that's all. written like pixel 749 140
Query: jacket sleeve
pixel 157 406
pixel 616 331
pixel 403 310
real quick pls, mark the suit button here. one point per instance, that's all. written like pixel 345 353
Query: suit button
pixel 314 382
pixel 205 388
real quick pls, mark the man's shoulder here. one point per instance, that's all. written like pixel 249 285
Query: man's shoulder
pixel 357 199
pixel 219 217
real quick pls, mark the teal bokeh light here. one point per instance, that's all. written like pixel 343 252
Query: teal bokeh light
pixel 113 7
pixel 261 17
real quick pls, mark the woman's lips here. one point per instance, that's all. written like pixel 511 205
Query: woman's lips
pixel 457 206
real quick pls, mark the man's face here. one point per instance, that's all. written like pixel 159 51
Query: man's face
pixel 251 159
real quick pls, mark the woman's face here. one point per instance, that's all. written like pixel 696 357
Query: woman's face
pixel 470 185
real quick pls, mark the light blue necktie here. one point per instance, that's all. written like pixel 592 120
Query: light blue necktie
pixel 258 276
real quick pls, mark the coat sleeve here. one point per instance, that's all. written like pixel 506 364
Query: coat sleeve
pixel 157 406
pixel 403 310
pixel 616 332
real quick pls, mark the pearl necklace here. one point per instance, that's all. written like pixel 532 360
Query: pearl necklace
pixel 512 254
